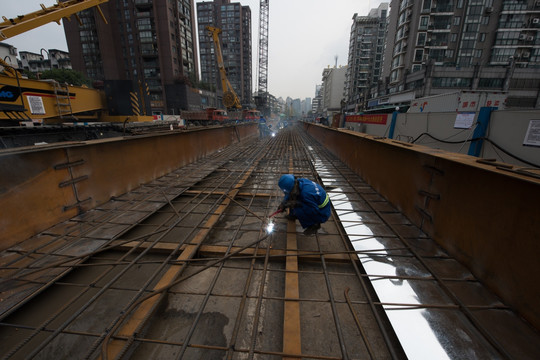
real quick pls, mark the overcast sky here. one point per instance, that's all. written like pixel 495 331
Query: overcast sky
pixel 305 36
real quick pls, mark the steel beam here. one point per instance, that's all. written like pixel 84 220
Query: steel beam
pixel 486 217
pixel 32 201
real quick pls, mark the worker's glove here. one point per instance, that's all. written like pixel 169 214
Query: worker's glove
pixel 292 204
pixel 282 206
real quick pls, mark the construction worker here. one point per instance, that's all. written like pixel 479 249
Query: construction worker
pixel 306 200
pixel 263 128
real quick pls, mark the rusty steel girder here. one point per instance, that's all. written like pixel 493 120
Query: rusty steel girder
pixel 485 216
pixel 43 185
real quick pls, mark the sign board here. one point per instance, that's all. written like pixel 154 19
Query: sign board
pixel 368 119
pixel 36 105
pixel 464 120
pixel 532 137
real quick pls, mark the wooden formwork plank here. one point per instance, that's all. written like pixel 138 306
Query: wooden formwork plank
pixel 292 339
pixel 291 315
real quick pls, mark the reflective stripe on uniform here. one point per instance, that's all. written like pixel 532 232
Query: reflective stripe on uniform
pixel 325 202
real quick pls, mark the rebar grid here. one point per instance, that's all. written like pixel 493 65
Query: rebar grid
pixel 227 300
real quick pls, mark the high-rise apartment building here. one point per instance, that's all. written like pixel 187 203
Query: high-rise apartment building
pixel 234 20
pixel 333 83
pixel 438 46
pixel 148 42
pixel 317 100
pixel 366 48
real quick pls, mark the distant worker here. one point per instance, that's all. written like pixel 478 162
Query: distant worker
pixel 262 127
pixel 324 121
pixel 306 200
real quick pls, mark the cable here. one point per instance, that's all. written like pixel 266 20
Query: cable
pixel 512 155
pixel 478 139
pixel 443 141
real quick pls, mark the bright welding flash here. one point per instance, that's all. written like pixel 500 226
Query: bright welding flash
pixel 270 227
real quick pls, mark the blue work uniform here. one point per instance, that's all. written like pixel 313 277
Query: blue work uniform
pixel 313 204
pixel 263 128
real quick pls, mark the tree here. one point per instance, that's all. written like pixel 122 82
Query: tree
pixel 68 76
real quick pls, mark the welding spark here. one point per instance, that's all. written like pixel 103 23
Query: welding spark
pixel 270 227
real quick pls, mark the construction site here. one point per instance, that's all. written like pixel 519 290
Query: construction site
pixel 125 236
pixel 170 254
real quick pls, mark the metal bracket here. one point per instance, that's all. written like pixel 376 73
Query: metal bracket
pixel 69 164
pixel 429 195
pixel 72 181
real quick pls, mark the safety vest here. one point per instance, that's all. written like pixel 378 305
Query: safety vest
pixel 325 202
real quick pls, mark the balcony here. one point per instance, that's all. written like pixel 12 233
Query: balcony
pixel 436 44
pixel 149 53
pixel 143 4
pixel 446 9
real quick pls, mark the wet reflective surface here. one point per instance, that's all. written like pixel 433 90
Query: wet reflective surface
pixel 437 308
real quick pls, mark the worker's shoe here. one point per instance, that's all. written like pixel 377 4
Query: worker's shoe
pixel 312 230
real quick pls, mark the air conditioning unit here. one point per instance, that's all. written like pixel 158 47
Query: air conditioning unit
pixel 522 37
pixel 526 54
pixel 530 38
pixel 489 10
pixel 536 21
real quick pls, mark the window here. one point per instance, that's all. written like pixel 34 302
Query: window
pixel 418 55
pixel 424 21
pixel 145 34
pixel 507 37
pixel 471 28
pixel 490 83
pixel 511 21
pixel 502 55
pixel 144 24
pixel 421 40
pixel 451 82
pixel 437 54
pixel 457 20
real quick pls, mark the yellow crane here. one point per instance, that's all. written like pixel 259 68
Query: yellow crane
pixel 48 101
pixel 230 99
pixel 23 23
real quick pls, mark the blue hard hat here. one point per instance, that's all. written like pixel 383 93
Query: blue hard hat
pixel 286 183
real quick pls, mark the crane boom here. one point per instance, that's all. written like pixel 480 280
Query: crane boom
pixel 263 46
pixel 230 99
pixel 23 23
pixel 261 99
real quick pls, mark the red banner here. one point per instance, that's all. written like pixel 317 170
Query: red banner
pixel 368 119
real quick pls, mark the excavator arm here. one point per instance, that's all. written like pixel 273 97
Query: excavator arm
pixel 230 99
pixel 23 23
